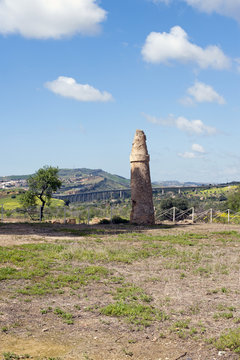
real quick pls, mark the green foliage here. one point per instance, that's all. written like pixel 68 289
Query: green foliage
pixel 130 292
pixel 41 186
pixel 181 204
pixel 67 317
pixel 9 203
pixel 134 312
pixel 39 263
pixel 13 356
pixel 104 222
pixel 6 273
pixel 178 202
pixel 66 202
pixel 119 220
pixel 28 200
pixel 10 356
pixel 229 340
pixel 234 200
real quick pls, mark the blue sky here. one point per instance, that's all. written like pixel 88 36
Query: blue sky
pixel 78 77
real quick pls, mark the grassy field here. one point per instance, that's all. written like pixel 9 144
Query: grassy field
pixel 12 202
pixel 119 292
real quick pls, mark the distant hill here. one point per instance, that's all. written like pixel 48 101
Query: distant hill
pixel 88 180
pixel 14 177
pixel 76 180
pixel 85 180
pixel 172 183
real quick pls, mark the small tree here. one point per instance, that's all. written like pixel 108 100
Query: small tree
pixel 41 186
pixel 233 200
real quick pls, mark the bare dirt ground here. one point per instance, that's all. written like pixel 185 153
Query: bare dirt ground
pixel 173 291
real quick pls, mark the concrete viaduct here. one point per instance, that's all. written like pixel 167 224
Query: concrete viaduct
pixel 124 193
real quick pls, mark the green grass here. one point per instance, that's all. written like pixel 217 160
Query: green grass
pixel 47 262
pixel 10 356
pixel 188 239
pixel 131 292
pixel 89 256
pixel 74 279
pixel 227 233
pixel 83 232
pixel 132 304
pixel 134 312
pixel 67 317
pixel 9 203
pixel 218 191
pixel 229 340
pixel 44 266
pixel 13 356
pixel 225 312
pixel 180 328
pixel 12 204
pixel 106 254
pixel 183 329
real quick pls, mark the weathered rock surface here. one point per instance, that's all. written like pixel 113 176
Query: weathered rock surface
pixel 141 188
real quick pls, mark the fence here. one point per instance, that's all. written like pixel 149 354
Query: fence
pixel 90 214
pixel 208 216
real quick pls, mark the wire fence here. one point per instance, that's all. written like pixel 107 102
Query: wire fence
pixel 87 214
pixel 105 213
pixel 195 216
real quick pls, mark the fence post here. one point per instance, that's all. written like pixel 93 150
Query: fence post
pixel 174 214
pixel 88 215
pixel 111 212
pixel 2 213
pixel 193 215
pixel 64 214
pixel 228 216
pixel 211 216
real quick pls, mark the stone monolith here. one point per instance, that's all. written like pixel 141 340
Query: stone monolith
pixel 141 188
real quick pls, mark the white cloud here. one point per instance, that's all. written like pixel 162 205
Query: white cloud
pixel 50 18
pixel 68 87
pixel 186 101
pixel 198 148
pixel 162 47
pixel 229 8
pixel 194 126
pixel 200 93
pixel 191 127
pixel 187 155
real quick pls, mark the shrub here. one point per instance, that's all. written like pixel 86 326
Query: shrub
pixel 104 221
pixel 119 220
pixel 181 205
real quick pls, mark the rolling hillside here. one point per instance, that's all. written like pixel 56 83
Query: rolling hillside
pixel 85 180
pixel 75 181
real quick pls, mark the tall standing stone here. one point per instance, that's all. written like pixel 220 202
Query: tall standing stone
pixel 141 187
